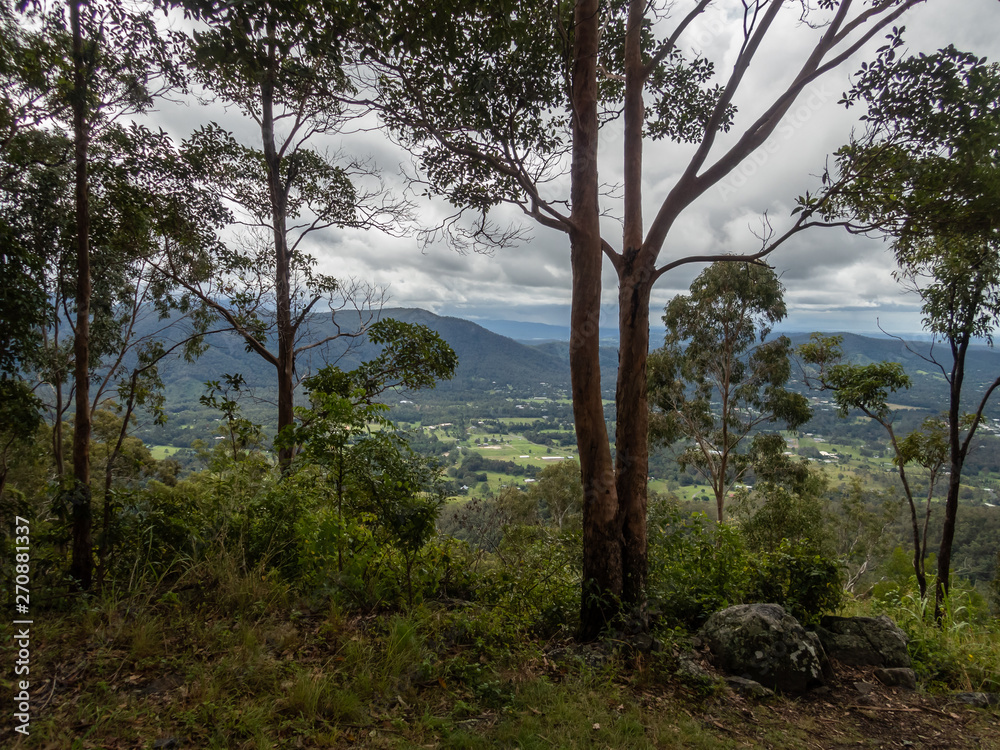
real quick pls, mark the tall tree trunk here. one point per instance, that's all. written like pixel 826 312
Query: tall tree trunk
pixel 81 567
pixel 635 278
pixel 278 189
pixel 631 437
pixel 943 585
pixel 957 456
pixel 602 535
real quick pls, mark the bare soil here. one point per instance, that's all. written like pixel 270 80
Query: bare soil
pixel 856 710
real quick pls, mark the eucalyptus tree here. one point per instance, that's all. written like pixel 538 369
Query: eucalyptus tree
pixel 501 101
pixel 23 303
pixel 925 173
pixel 282 66
pixel 866 388
pixel 558 494
pixel 369 467
pixel 103 61
pixel 37 234
pixel 958 282
pixel 142 200
pixel 32 166
pixel 718 381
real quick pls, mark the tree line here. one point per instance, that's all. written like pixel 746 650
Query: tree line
pixel 105 218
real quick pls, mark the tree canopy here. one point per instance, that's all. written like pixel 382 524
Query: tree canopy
pixel 718 380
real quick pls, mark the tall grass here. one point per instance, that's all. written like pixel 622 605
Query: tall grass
pixel 959 652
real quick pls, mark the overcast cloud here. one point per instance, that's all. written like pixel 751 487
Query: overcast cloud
pixel 833 281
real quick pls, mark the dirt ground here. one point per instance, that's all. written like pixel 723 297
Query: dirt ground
pixel 856 710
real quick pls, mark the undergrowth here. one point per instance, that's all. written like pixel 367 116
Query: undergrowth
pixel 961 651
pixel 221 655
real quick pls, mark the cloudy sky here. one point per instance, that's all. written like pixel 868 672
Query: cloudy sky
pixel 833 281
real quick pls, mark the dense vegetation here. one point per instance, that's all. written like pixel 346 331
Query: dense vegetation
pixel 242 608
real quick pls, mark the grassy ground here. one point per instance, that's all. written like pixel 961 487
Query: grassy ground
pixel 160 452
pixel 219 659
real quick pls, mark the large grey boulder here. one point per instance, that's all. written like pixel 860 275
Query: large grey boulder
pixel 762 642
pixel 864 641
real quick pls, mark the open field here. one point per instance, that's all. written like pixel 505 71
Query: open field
pixel 841 459
pixel 161 452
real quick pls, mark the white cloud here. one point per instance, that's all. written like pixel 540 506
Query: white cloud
pixel 826 273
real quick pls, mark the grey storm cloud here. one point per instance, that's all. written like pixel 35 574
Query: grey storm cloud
pixel 826 272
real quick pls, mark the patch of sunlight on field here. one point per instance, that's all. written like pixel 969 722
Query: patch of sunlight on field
pixel 160 452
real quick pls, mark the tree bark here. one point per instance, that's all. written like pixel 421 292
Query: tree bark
pixel 81 568
pixel 957 456
pixel 278 189
pixel 631 436
pixel 602 534
pixel 635 269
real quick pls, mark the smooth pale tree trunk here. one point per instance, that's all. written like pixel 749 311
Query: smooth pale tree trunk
pixel 602 535
pixel 615 494
pixel 635 267
pixel 81 567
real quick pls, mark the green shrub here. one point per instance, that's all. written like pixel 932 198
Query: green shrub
pixel 805 582
pixel 698 567
pixel 157 524
pixel 532 582
pixel 995 586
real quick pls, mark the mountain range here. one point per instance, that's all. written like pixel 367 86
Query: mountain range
pixel 489 361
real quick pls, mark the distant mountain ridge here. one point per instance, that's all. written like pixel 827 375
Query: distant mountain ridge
pixel 486 360
pixel 489 361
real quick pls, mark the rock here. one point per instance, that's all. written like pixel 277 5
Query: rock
pixel 762 642
pixel 689 667
pixel 824 660
pixel 864 641
pixel 897 677
pixel 979 700
pixel 749 688
pixel 167 743
pixel 863 688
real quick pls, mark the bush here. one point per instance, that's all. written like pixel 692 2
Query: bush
pixel 532 582
pixel 698 567
pixel 695 566
pixel 805 582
